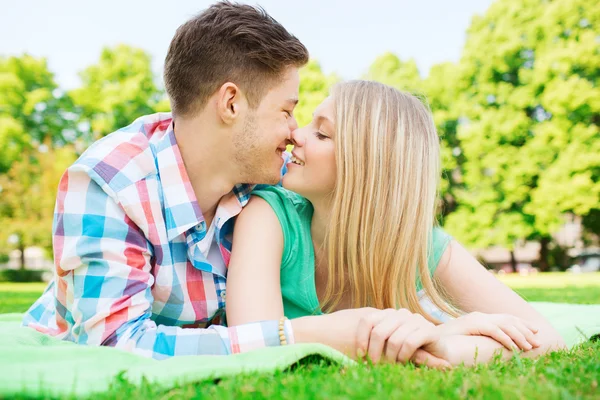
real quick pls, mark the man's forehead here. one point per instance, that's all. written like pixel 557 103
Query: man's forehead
pixel 286 91
pixel 290 86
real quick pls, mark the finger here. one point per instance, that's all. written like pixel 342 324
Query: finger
pixel 416 339
pixel 424 358
pixel 395 341
pixel 495 332
pixel 380 335
pixel 528 333
pixel 365 326
pixel 530 325
pixel 517 337
pixel 464 325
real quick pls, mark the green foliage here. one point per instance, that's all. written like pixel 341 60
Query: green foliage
pixel 39 126
pixel 28 195
pixel 390 70
pixel 32 108
pixel 314 88
pixel 20 275
pixel 528 111
pixel 117 90
pixel 518 118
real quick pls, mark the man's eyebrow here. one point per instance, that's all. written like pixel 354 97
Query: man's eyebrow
pixel 292 101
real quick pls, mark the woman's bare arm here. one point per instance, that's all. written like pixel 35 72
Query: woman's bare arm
pixel 253 285
pixel 473 288
pixel 254 288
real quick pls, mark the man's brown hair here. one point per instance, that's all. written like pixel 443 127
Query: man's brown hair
pixel 228 42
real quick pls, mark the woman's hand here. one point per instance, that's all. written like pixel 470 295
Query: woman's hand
pixel 397 336
pixel 510 331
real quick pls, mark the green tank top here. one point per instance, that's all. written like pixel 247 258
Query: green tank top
pixel 298 259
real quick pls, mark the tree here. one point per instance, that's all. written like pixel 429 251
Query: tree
pixel 314 88
pixel 32 109
pixel 117 90
pixel 528 126
pixel 390 70
pixel 443 95
pixel 28 193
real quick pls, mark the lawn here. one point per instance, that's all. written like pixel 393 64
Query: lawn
pixel 557 287
pixel 17 297
pixel 568 375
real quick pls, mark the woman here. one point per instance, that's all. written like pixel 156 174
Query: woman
pixel 357 229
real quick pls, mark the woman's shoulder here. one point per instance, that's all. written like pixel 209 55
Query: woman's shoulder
pixel 278 196
pixel 440 240
pixel 294 213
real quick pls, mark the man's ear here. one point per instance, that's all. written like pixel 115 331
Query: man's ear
pixel 230 102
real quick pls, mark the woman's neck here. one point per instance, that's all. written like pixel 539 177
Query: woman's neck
pixel 318 224
pixel 318 227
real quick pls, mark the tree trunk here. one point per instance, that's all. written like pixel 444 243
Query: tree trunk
pixel 513 261
pixel 22 250
pixel 543 262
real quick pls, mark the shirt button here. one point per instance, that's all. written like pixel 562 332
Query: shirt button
pixel 223 295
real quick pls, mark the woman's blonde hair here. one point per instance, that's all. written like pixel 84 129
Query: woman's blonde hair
pixel 384 202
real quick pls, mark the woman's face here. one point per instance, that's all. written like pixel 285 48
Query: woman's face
pixel 312 169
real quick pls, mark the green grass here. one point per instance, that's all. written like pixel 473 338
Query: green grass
pixel 17 297
pixel 557 287
pixel 566 375
pixel 552 280
pixel 572 374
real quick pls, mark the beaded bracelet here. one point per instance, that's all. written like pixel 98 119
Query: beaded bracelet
pixel 282 338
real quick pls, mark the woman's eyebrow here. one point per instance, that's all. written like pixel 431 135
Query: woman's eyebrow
pixel 323 117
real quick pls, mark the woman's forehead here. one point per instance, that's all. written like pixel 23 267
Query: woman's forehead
pixel 325 111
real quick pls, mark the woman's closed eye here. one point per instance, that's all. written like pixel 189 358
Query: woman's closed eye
pixel 320 136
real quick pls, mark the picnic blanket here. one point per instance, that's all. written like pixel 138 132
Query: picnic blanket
pixel 32 364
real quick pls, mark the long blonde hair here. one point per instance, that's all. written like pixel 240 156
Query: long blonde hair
pixel 383 205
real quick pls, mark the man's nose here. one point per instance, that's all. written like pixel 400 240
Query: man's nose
pixel 293 123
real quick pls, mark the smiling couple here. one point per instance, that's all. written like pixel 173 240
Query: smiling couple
pixel 178 234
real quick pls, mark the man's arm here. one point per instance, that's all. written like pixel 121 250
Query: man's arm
pixel 104 272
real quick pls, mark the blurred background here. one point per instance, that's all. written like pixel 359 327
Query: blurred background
pixel 513 86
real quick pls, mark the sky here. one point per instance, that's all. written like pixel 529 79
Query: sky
pixel 345 36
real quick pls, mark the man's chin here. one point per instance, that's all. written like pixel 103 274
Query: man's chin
pixel 266 179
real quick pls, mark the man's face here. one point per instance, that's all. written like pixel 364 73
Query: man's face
pixel 266 131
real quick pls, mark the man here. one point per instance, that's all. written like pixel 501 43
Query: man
pixel 143 219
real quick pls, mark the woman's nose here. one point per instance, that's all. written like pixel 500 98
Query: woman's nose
pixel 297 137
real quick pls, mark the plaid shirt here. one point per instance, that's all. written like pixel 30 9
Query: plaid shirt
pixel 130 247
